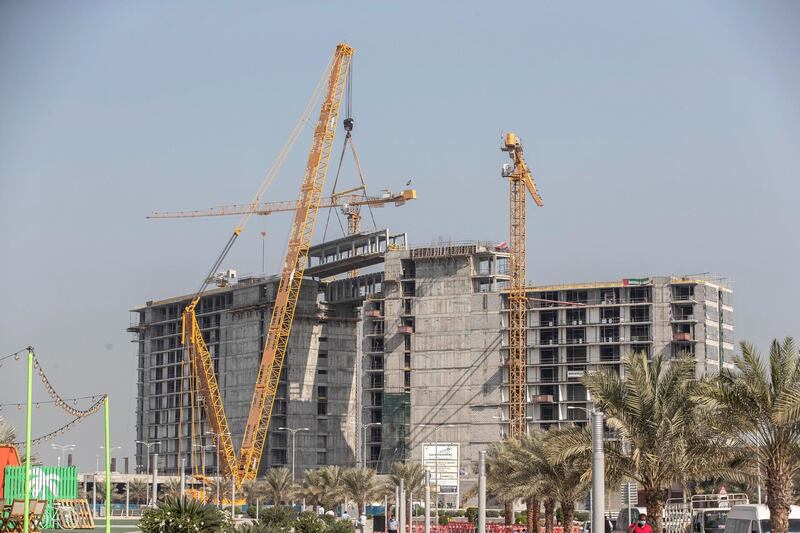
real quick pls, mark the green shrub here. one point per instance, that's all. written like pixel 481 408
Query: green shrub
pixel 581 516
pixel 444 519
pixel 493 513
pixel 279 517
pixel 258 527
pixel 340 526
pixel 328 519
pixel 472 514
pixel 309 522
pixel 184 514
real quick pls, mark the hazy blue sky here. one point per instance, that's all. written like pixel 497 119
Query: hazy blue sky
pixel 664 139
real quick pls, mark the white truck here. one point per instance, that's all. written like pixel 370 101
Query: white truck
pixel 702 513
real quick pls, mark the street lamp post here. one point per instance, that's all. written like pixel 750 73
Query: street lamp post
pixel 364 452
pixel 96 472
pixel 148 444
pixel 598 468
pixel 204 448
pixel 62 448
pixel 293 431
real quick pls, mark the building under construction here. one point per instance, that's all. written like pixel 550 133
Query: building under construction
pixel 413 351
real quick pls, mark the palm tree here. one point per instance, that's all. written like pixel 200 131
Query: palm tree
pixel 137 489
pixel 278 485
pixel 8 433
pixel 757 410
pixel 253 490
pixel 172 488
pixel 359 485
pixel 538 472
pixel 218 486
pixel 413 477
pixel 508 483
pixel 653 411
pixel 332 488
pixel 312 488
pixel 8 436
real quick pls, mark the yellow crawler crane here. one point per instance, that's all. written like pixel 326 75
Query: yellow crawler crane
pixel 245 466
pixel 521 182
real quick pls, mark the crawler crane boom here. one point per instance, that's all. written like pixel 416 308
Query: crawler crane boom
pixel 294 266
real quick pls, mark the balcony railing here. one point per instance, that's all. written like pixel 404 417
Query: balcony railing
pixel 405 329
pixel 681 336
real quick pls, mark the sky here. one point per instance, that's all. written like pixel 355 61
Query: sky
pixel 664 139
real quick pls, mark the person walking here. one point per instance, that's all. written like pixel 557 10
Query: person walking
pixel 641 525
pixel 392 525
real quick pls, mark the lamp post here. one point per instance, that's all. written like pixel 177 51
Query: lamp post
pixel 364 452
pixel 598 468
pixel 62 448
pixel 96 472
pixel 218 435
pixel 293 431
pixel 148 444
pixel 204 448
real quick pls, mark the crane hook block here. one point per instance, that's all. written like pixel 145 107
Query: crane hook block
pixel 348 124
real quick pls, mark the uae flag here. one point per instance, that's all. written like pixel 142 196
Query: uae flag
pixel 635 281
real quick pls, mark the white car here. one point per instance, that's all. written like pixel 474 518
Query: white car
pixel 752 518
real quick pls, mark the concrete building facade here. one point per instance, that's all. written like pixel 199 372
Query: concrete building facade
pixel 413 352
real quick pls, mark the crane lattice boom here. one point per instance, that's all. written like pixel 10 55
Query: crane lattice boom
pixel 245 466
pixel 294 266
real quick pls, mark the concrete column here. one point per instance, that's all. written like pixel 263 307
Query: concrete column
pixel 598 473
pixel 427 501
pixel 481 492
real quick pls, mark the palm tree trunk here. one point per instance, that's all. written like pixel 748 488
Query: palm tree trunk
pixel 655 499
pixel 532 509
pixel 568 508
pixel 549 509
pixel 508 511
pixel 779 498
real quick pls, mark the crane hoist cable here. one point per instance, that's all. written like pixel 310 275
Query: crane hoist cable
pixel 270 176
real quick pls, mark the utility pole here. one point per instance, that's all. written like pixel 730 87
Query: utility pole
pixel 481 492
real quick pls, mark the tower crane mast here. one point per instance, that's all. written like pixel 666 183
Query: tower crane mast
pixel 521 184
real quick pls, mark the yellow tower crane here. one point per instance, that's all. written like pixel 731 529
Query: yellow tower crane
pixel 245 466
pixel 522 184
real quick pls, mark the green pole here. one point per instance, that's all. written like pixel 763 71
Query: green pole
pixel 108 469
pixel 28 442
